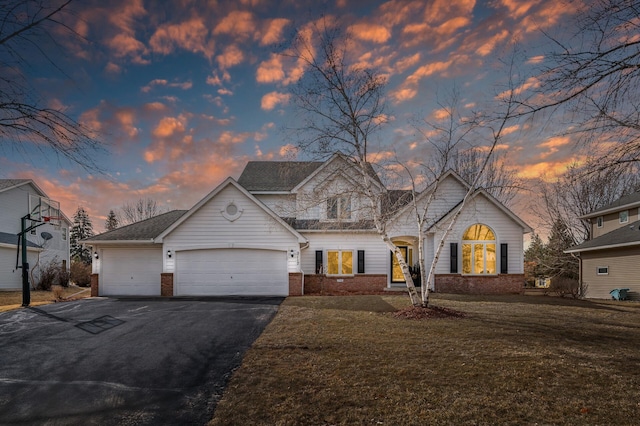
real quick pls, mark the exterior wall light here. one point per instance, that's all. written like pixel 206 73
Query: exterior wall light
pixel 169 254
pixel 95 254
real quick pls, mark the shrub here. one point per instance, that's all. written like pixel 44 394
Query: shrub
pixel 81 274
pixel 563 286
pixel 52 274
pixel 57 291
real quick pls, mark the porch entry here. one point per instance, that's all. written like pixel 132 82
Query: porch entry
pixel 396 271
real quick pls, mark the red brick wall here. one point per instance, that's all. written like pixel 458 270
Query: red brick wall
pixel 365 283
pixel 295 284
pixel 94 285
pixel 166 284
pixel 496 284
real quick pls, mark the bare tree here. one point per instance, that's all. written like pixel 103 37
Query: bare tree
pixel 29 32
pixel 581 190
pixel 593 80
pixel 341 106
pixel 144 208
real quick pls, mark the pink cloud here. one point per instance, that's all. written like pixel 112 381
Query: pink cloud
pixel 231 56
pixel 168 126
pixel 273 99
pixel 273 32
pixel 191 36
pixel 270 71
pixel 370 32
pixel 238 24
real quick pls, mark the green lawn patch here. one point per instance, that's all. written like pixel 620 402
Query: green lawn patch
pixel 510 360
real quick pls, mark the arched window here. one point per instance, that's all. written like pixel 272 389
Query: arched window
pixel 479 250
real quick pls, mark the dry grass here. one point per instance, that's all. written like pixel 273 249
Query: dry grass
pixel 13 299
pixel 511 360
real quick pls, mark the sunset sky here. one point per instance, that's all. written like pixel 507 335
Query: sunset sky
pixel 184 93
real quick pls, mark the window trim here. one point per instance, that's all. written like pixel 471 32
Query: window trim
pixel 604 268
pixel 340 251
pixel 626 216
pixel 339 201
pixel 484 244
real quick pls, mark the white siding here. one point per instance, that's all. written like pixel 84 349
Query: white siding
pixel 449 193
pixel 375 252
pixel 10 277
pixel 481 210
pixel 14 204
pixel 281 204
pixel 208 228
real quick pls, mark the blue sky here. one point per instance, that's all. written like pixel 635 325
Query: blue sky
pixel 184 93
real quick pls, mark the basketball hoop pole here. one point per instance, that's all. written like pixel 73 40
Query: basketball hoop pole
pixel 26 290
pixel 26 294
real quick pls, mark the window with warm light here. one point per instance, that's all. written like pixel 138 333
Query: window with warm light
pixel 479 250
pixel 339 262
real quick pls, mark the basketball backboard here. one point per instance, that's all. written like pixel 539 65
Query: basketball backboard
pixel 43 209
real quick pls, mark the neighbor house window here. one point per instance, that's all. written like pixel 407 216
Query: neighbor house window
pixel 600 220
pixel 339 208
pixel 624 216
pixel 603 270
pixel 339 262
pixel 478 250
pixel 64 234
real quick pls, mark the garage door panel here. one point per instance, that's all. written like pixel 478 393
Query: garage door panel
pixel 232 272
pixel 131 272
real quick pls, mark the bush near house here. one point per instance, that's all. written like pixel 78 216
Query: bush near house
pixel 80 274
pixel 52 274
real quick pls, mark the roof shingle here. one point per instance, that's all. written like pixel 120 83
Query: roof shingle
pixel 626 235
pixel 276 175
pixel 144 230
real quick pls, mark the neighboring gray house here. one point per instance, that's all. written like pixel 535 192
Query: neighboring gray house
pixel 287 228
pixel 611 258
pixel 17 199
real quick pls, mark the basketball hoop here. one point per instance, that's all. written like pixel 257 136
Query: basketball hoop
pixel 53 220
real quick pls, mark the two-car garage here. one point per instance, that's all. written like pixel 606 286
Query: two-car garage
pixel 222 272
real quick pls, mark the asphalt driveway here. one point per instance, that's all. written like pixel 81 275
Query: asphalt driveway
pixel 124 361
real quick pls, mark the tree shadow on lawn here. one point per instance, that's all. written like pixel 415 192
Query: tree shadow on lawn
pixel 540 300
pixel 365 303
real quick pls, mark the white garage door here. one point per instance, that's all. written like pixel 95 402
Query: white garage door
pixel 131 272
pixel 232 272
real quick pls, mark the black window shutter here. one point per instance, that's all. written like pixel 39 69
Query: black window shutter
pixel 318 261
pixel 361 261
pixel 453 258
pixel 504 259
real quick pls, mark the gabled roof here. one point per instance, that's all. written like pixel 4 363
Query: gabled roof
pixel 274 176
pixel 144 231
pixel 625 236
pixel 7 184
pixel 341 157
pixel 622 203
pixel 12 240
pixel 212 194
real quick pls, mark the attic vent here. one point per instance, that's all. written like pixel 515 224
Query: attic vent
pixel 231 212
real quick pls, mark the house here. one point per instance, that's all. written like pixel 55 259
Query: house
pixel 611 258
pixel 45 244
pixel 288 228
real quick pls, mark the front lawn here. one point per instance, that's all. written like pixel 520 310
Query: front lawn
pixel 13 299
pixel 511 360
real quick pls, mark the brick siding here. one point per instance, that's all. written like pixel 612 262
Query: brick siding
pixel 496 284
pixel 295 284
pixel 94 285
pixel 357 284
pixel 166 284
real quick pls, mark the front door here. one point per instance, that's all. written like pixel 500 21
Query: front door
pixel 396 272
